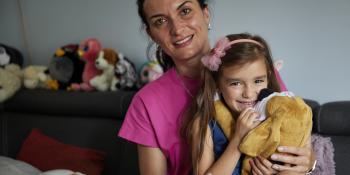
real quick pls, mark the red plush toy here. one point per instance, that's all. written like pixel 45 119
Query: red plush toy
pixel 88 50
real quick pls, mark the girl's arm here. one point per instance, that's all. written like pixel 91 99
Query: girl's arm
pixel 224 165
pixel 229 158
pixel 151 161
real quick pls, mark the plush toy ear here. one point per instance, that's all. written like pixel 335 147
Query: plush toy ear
pixel 224 118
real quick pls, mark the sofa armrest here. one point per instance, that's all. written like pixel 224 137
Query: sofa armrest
pixel 333 118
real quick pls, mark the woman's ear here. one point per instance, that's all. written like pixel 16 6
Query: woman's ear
pixel 206 14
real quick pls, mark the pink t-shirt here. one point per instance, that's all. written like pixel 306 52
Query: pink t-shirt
pixel 154 116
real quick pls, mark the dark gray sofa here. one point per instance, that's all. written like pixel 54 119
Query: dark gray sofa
pixel 85 119
pixel 93 119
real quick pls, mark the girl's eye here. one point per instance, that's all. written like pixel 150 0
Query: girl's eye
pixel 235 83
pixel 185 11
pixel 159 21
pixel 259 81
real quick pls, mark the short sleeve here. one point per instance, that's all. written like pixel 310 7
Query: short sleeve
pixel 137 126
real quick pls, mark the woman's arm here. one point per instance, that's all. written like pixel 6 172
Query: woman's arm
pixel 302 159
pixel 151 161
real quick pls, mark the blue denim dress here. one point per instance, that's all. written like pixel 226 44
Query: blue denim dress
pixel 220 144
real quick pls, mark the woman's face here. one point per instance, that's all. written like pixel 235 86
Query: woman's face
pixel 240 85
pixel 180 27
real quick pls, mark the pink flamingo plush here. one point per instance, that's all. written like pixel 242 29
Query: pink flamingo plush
pixel 88 50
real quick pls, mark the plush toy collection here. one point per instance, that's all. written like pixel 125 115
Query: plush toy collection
pixel 74 67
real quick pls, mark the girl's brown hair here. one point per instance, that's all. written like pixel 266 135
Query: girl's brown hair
pixel 202 108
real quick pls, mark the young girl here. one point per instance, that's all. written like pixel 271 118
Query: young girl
pixel 236 70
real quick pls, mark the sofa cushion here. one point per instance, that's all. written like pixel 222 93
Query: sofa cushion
pixel 47 153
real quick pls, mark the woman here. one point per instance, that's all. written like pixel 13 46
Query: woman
pixel 180 29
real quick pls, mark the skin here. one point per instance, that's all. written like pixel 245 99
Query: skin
pixel 180 27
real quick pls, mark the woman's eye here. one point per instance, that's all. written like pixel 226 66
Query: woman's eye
pixel 159 21
pixel 186 11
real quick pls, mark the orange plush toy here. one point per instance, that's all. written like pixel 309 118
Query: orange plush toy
pixel 288 122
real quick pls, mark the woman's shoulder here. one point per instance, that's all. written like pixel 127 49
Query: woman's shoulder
pixel 157 86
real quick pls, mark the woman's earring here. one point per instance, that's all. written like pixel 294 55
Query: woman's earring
pixel 209 26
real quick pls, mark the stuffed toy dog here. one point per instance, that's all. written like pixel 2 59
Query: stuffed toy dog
pixel 10 81
pixel 106 63
pixel 288 122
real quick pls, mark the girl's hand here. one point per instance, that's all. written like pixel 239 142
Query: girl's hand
pixel 261 166
pixel 246 121
pixel 301 158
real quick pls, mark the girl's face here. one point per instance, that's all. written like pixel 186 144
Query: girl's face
pixel 241 84
pixel 180 27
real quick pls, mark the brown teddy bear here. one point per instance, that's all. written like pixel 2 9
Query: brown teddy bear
pixel 288 122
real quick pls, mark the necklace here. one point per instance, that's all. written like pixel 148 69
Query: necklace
pixel 183 84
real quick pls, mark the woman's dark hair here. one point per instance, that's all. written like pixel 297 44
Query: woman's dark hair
pixel 164 60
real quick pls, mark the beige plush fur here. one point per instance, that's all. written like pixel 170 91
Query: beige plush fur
pixel 288 123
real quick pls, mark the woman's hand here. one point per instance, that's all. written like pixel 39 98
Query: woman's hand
pixel 301 158
pixel 246 121
pixel 261 166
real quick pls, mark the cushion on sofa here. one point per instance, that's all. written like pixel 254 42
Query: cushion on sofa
pixel 46 153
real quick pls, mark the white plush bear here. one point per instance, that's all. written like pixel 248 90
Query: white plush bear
pixel 10 81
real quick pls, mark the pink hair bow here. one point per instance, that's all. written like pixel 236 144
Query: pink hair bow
pixel 213 60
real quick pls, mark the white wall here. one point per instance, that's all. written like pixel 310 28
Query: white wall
pixel 311 36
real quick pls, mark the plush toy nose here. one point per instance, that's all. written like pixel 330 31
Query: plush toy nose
pixel 97 63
